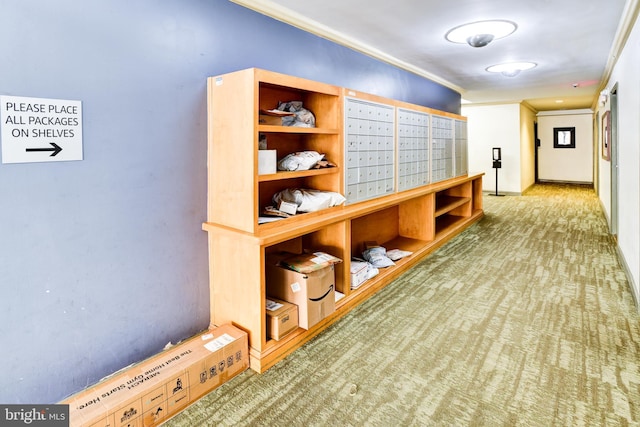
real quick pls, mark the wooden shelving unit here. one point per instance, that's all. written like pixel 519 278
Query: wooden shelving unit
pixel 418 220
pixel 296 174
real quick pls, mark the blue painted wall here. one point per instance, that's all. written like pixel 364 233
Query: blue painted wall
pixel 103 261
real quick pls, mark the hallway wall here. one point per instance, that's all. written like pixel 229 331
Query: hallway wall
pixel 492 126
pixel 104 260
pixel 527 147
pixel 625 76
pixel 566 164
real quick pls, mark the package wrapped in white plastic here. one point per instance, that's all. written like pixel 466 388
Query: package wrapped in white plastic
pixel 308 200
pixel 377 256
pixel 299 161
pixel 396 254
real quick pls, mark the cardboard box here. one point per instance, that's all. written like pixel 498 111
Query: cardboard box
pixel 273 117
pixel 267 162
pixel 265 119
pixel 313 293
pixel 359 272
pixel 282 318
pixel 149 393
pixel 308 262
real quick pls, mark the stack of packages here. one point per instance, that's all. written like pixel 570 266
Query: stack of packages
pixel 374 257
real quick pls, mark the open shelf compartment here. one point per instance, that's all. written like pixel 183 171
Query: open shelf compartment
pixel 404 226
pixel 329 239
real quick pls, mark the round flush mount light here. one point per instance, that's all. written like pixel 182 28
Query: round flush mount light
pixel 511 69
pixel 481 33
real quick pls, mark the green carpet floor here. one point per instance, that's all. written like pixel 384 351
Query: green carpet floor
pixel 525 319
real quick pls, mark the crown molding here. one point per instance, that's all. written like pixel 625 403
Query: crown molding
pixel 629 17
pixel 565 112
pixel 275 11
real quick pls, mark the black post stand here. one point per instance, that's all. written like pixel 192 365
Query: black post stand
pixel 497 164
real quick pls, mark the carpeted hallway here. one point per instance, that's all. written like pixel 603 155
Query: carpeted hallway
pixel 525 319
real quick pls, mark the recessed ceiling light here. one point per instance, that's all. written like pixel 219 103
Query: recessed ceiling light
pixel 511 69
pixel 559 101
pixel 481 33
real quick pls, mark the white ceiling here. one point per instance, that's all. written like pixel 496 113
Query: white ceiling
pixel 574 42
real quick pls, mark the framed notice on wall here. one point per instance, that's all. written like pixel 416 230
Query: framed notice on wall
pixel 564 137
pixel 606 135
pixel 40 129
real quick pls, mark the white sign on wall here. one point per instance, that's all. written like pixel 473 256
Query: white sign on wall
pixel 40 130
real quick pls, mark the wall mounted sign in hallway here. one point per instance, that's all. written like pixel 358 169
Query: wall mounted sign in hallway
pixel 40 130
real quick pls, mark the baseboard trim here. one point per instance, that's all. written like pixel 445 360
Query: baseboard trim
pixel 528 188
pixel 627 272
pixel 623 261
pixel 501 193
pixel 604 214
pixel 554 181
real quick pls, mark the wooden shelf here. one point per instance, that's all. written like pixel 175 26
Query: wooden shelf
pixel 297 174
pixel 295 129
pixel 302 223
pixel 445 204
pixel 448 222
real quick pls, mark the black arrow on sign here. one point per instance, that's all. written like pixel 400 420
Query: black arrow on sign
pixel 55 148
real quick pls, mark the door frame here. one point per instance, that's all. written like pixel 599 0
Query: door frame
pixel 536 146
pixel 613 226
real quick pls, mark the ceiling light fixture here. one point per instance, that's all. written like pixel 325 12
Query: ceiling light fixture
pixel 481 33
pixel 511 69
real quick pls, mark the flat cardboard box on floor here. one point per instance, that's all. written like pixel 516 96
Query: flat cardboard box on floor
pixel 151 392
pixel 313 293
pixel 282 318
